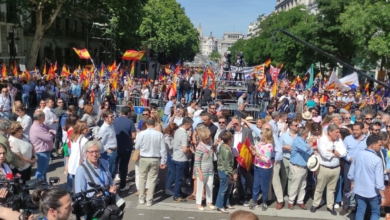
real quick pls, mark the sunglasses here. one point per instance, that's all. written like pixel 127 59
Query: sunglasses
pixel 145 114
pixel 221 122
pixel 375 130
pixel 347 118
pixel 294 125
pixel 368 118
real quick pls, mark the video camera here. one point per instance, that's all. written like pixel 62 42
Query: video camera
pixel 95 203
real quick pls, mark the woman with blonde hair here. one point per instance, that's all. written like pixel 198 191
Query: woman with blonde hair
pixel 203 168
pixel 158 125
pixel 262 162
pixel 87 116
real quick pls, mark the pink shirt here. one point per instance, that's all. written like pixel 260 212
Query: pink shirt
pixel 41 137
pixel 266 151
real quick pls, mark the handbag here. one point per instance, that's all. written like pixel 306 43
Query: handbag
pixel 387 193
pixel 135 156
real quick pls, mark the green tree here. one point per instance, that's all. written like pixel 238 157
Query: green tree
pixel 328 32
pixel 367 23
pixel 166 28
pixel 271 44
pixel 215 56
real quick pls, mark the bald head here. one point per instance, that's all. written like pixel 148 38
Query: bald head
pixel 266 125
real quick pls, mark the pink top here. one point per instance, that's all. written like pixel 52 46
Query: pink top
pixel 265 150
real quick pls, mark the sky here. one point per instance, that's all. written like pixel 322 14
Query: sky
pixel 219 16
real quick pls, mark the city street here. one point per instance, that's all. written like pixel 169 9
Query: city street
pixel 164 207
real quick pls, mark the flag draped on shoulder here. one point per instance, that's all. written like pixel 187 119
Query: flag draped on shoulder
pixel 83 53
pixel 245 157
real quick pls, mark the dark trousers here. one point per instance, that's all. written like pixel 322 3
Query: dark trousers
pixel 122 161
pixel 179 169
pixel 196 91
pixel 347 186
pixel 25 175
pixel 262 179
pixel 238 75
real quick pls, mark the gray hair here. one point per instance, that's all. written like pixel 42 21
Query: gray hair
pixel 302 131
pixel 386 115
pixel 237 117
pixel 93 143
pixel 274 115
pixel 38 114
pixel 333 127
pixel 4 124
pixel 337 115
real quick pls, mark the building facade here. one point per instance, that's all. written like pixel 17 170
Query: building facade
pixel 228 39
pixel 209 44
pixel 285 5
pixel 253 30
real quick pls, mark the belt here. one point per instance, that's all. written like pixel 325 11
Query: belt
pixel 286 158
pixel 303 167
pixel 151 157
pixel 330 167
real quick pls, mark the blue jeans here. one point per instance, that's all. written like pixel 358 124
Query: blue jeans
pixel 171 172
pixel 243 175
pixel 362 205
pixel 42 164
pixel 39 97
pixel 26 100
pixel 339 189
pixel 251 97
pixel 111 161
pixel 179 167
pixel 223 198
pixel 261 180
pixel 178 93
pixel 188 96
pixel 164 119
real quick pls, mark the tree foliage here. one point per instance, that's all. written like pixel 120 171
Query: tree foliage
pixel 215 56
pixel 367 23
pixel 166 28
pixel 272 44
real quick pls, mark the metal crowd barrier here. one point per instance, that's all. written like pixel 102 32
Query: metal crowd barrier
pixel 253 110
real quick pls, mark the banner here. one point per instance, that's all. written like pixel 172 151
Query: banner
pixel 350 80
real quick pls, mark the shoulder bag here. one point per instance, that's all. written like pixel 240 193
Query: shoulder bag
pixel 136 155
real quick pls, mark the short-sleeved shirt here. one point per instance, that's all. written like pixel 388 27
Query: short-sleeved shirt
pixel 180 139
pixel 124 127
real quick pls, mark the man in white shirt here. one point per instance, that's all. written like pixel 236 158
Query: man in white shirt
pixel 51 119
pixel 331 148
pixel 24 120
pixel 107 136
pixel 5 102
pixel 281 122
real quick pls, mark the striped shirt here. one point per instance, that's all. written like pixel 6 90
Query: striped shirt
pixel 204 159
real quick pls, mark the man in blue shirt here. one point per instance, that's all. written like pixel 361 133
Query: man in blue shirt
pixel 300 153
pixel 26 94
pixel 167 109
pixel 125 134
pixel 367 182
pixel 145 115
pixel 286 140
pixel 354 144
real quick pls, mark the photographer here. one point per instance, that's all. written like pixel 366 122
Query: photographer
pixel 54 203
pixel 226 64
pixel 95 170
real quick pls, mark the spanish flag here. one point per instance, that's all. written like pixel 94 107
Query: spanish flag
pixel 15 69
pixel 267 62
pixel 133 55
pixel 44 69
pixel 86 84
pixel 331 86
pixel 245 157
pixel 348 106
pixel 4 71
pixel 274 88
pixel 83 53
pixel 263 81
pixel 65 72
pixel 92 96
pixel 132 68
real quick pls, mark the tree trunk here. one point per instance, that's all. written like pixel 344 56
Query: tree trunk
pixel 40 29
pixel 34 51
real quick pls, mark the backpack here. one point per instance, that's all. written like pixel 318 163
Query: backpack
pixel 186 85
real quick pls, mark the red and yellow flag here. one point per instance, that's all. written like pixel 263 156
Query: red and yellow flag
pixel 132 68
pixel 83 74
pixel 267 62
pixel 263 81
pixel 274 88
pixel 348 106
pixel 44 69
pixel 331 86
pixel 133 55
pixel 65 72
pixel 83 53
pixel 92 96
pixel 4 71
pixel 86 84
pixel 15 69
pixel 245 157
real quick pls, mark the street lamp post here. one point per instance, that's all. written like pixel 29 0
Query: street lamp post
pixel 11 40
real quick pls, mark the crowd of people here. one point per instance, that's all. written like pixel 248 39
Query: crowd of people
pixel 302 143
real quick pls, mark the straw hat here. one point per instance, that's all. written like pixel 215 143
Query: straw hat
pixel 307 115
pixel 250 119
pixel 313 163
